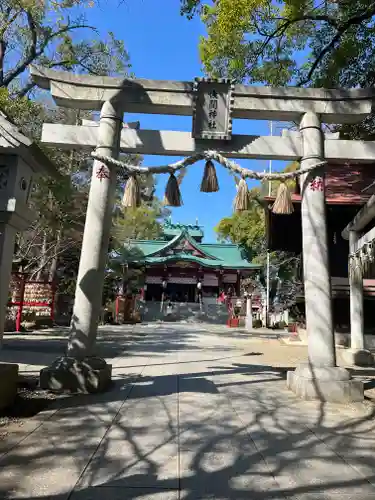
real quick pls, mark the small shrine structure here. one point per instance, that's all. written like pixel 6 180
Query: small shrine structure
pixel 181 260
pixel 21 163
pixel 347 188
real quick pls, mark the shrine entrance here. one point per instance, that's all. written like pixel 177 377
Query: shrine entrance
pixel 213 104
pixel 176 292
pixel 181 267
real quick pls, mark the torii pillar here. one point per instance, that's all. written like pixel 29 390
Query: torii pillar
pixel 357 355
pixel 320 378
pixel 80 370
pixel 89 288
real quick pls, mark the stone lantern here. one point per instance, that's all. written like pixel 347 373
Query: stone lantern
pixel 21 161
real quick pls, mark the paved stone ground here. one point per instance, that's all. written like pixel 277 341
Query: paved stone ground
pixel 195 413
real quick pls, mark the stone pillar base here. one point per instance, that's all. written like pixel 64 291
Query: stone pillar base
pixel 331 384
pixel 249 324
pixel 68 374
pixel 357 357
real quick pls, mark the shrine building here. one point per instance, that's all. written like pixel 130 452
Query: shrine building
pixel 347 189
pixel 181 259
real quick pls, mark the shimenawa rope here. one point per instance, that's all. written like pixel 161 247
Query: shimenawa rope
pixel 283 204
pixel 206 155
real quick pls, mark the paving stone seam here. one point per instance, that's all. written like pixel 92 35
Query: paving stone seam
pixel 133 487
pixel 27 434
pixel 257 448
pixel 343 459
pixel 46 419
pixel 72 491
pixel 315 435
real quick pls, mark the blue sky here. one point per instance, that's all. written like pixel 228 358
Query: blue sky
pixel 163 45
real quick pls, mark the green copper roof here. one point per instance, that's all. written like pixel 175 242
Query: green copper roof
pixel 171 229
pixel 212 255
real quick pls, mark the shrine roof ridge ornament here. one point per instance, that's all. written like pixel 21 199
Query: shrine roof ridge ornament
pixel 177 97
pixel 178 225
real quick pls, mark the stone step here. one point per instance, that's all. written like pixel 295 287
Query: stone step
pixel 215 313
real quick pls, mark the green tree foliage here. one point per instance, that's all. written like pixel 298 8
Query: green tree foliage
pixel 248 230
pixel 291 183
pixel 304 42
pixel 245 228
pixel 141 223
pixel 26 114
pixel 122 277
pixel 55 34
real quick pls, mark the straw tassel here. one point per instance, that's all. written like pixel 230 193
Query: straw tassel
pixel 241 201
pixel 209 183
pixel 172 195
pixel 283 204
pixel 132 193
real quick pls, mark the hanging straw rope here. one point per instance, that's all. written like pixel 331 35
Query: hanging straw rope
pixel 241 201
pixel 207 155
pixel 209 183
pixel 132 193
pixel 283 202
pixel 172 197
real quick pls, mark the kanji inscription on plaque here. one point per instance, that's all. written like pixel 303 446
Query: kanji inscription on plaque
pixel 212 116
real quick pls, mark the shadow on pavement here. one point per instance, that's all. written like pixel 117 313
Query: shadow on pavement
pixel 229 430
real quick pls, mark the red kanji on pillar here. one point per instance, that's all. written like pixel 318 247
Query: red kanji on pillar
pixel 102 172
pixel 317 184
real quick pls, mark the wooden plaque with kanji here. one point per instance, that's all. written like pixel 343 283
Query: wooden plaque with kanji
pixel 212 116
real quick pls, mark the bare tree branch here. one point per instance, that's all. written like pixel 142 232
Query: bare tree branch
pixel 9 22
pixel 353 21
pixel 60 250
pixel 34 54
pixel 285 24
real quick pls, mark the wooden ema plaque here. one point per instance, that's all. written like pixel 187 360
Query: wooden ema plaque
pixel 31 296
pixel 38 294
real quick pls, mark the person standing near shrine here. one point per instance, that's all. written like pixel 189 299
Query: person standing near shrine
pixel 199 291
pixel 229 296
pixel 221 298
pixel 164 286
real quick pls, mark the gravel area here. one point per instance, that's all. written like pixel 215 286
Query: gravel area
pixel 30 401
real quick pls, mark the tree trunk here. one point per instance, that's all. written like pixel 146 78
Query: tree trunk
pixel 43 260
pixel 54 261
pixel 2 57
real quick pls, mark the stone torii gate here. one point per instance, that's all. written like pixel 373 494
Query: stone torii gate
pixel 319 378
pixel 361 260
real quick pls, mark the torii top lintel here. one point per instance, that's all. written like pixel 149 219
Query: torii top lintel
pixel 177 98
